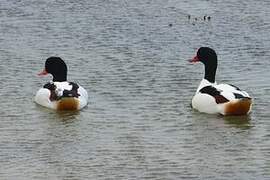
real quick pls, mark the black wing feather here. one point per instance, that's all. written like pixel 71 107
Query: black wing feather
pixel 212 91
pixel 237 88
pixel 73 92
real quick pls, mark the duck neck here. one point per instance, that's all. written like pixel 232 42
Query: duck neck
pixel 210 73
pixel 59 78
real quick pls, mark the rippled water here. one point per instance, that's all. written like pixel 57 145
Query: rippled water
pixel 131 57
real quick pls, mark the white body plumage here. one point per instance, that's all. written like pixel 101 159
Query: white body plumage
pixel 44 97
pixel 210 104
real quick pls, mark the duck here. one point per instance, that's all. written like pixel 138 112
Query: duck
pixel 60 94
pixel 214 98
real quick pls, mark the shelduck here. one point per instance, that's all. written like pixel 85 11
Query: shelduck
pixel 213 98
pixel 59 94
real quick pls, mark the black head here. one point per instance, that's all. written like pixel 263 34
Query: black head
pixel 208 57
pixel 57 68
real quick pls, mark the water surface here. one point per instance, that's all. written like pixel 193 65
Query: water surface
pixel 131 56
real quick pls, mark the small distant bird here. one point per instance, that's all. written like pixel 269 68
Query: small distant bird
pixel 215 98
pixel 60 94
pixel 204 18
